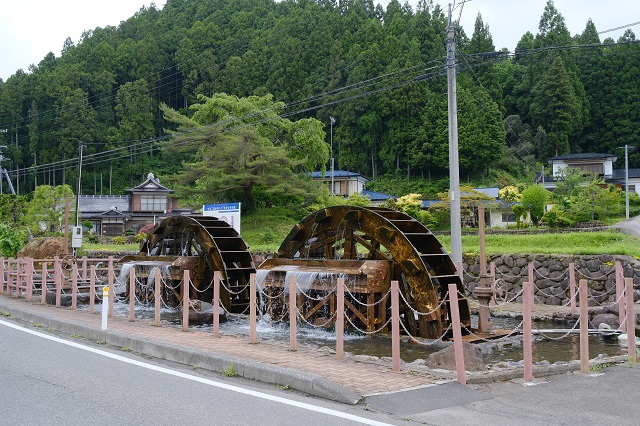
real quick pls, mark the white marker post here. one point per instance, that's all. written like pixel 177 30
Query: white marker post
pixel 105 306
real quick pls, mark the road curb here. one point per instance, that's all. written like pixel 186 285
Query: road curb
pixel 309 383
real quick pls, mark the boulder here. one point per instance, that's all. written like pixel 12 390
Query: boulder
pixel 201 312
pixel 610 320
pixel 44 248
pixel 445 358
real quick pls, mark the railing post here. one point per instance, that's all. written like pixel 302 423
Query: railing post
pixel 492 271
pixel 57 279
pixel 185 300
pixel 619 292
pixel 10 263
pixel 252 308
pixel 293 311
pixel 458 349
pixel 395 327
pixel 19 275
pixel 92 289
pixel 631 321
pixel 43 287
pixel 84 269
pixel 340 319
pixel 74 286
pixel 2 277
pixel 29 278
pixel 157 297
pixel 527 339
pixel 572 286
pixel 132 293
pixel 216 304
pixel 584 326
pixel 531 278
pixel 110 278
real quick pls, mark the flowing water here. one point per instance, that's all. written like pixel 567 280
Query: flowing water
pixel 548 349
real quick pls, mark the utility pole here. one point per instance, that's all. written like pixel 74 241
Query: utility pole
pixel 78 183
pixel 78 188
pixel 5 173
pixel 333 120
pixel 454 173
pixel 626 176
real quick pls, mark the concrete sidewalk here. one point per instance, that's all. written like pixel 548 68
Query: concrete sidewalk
pixel 310 371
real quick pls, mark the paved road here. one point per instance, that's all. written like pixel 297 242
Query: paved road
pixel 569 399
pixel 45 379
pixel 630 226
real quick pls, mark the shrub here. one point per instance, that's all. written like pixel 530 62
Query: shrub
pixel 129 232
pixel 140 237
pixel 93 239
pixel 120 240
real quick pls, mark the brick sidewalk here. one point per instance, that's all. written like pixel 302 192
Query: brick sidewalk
pixel 360 377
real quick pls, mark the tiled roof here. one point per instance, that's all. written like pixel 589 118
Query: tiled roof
pixel 152 184
pixel 619 174
pixel 103 203
pixel 377 196
pixel 336 174
pixel 582 156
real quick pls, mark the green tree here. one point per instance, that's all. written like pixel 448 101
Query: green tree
pixel 242 144
pixel 11 240
pixel 534 198
pixel 555 107
pixel 44 213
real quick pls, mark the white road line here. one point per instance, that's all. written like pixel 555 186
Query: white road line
pixel 209 382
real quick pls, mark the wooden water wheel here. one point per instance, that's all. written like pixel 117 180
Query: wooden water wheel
pixel 417 259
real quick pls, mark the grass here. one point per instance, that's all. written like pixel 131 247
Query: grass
pixel 230 371
pixel 109 247
pixel 265 229
pixel 575 243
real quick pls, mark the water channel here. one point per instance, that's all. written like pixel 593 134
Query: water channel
pixel 551 348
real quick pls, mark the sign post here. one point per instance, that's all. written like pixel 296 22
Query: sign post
pixel 229 213
pixel 105 307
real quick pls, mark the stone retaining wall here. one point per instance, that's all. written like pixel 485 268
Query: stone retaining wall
pixel 551 275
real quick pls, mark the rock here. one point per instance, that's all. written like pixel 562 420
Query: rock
pixel 202 312
pixel 44 248
pixel 445 358
pixel 609 319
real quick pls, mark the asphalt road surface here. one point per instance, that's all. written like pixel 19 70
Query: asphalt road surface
pixel 45 379
pixel 48 378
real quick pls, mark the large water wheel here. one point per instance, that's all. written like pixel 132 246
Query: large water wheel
pixel 417 259
pixel 204 245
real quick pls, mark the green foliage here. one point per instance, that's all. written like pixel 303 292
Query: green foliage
pixel 140 237
pixel 520 213
pixel 44 213
pixel 88 224
pixel 534 198
pixel 242 144
pixel 11 240
pixel 129 231
pixel 410 204
pixel 580 198
pixel 92 239
pixel 119 240
pixel 230 371
pixel 106 90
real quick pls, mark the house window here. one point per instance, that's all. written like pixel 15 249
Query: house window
pixel 508 217
pixel 153 202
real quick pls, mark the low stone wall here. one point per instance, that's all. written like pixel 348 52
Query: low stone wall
pixel 551 275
